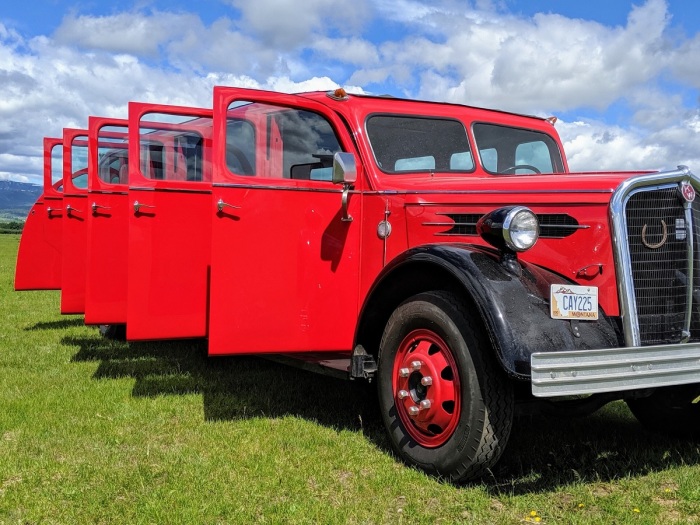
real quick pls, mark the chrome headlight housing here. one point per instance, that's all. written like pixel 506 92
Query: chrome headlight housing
pixel 513 228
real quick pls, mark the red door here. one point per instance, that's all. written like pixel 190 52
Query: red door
pixel 169 221
pixel 75 213
pixel 107 222
pixel 39 257
pixel 285 265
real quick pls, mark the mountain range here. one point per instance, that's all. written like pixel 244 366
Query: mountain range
pixel 17 198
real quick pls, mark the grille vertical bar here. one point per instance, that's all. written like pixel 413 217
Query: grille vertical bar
pixel 659 241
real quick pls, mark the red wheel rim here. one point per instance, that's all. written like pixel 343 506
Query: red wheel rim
pixel 425 384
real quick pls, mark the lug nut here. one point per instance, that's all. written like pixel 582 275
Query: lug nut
pixel 404 372
pixel 426 381
pixel 403 394
pixel 425 404
pixel 415 365
pixel 413 411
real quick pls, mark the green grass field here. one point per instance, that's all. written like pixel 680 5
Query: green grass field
pixel 93 431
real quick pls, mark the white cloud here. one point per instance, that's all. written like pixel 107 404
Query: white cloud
pixel 546 62
pixel 468 52
pixel 286 23
pixel 124 32
pixel 597 146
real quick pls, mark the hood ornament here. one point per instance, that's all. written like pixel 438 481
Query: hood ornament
pixel 687 191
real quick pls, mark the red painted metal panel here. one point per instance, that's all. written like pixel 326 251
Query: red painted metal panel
pixel 285 267
pixel 75 213
pixel 169 221
pixel 107 222
pixel 39 257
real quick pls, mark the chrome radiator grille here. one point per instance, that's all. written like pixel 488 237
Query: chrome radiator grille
pixel 658 243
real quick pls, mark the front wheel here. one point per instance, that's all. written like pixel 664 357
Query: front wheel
pixel 674 411
pixel 446 404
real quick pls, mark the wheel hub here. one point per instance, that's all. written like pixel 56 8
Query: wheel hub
pixel 426 388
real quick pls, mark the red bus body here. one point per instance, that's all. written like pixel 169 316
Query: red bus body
pixel 444 250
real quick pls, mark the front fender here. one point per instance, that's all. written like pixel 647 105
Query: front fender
pixel 514 306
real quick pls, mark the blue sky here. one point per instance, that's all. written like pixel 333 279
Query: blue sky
pixel 623 77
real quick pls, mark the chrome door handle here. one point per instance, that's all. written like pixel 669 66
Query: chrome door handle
pixel 138 206
pixel 96 207
pixel 70 209
pixel 220 205
pixel 50 210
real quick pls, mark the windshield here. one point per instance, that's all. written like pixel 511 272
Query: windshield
pixel 514 151
pixel 417 144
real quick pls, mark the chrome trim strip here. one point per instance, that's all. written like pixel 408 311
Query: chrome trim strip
pixel 448 224
pixel 489 192
pixel 690 230
pixel 565 226
pixel 287 188
pixel 174 190
pixel 104 192
pixel 575 372
pixel 476 192
pixel 618 225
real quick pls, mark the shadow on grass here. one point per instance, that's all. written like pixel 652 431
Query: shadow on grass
pixel 56 325
pixel 544 452
pixel 235 387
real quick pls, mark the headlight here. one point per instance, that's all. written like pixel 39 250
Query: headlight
pixel 514 228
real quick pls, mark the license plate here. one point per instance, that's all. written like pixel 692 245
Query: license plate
pixel 574 302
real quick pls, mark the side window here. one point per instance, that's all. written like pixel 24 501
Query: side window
pixel 113 154
pixel 175 147
pixel 110 164
pixel 279 142
pixel 152 161
pixel 79 161
pixel 188 161
pixel 57 167
pixel 309 144
pixel 240 146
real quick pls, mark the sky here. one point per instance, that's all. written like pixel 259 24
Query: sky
pixel 622 77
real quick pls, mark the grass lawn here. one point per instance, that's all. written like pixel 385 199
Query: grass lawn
pixel 93 431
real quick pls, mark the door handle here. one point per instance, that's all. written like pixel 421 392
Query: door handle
pixel 138 206
pixel 70 209
pixel 50 210
pixel 96 207
pixel 220 205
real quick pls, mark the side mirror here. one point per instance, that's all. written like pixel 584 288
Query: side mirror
pixel 344 168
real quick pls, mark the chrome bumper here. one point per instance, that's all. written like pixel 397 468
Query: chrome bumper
pixel 574 372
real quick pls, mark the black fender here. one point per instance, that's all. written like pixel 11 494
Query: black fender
pixel 513 305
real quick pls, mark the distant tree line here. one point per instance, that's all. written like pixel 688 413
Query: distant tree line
pixel 11 226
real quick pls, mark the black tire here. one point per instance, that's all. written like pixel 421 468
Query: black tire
pixel 461 445
pixel 671 411
pixel 114 332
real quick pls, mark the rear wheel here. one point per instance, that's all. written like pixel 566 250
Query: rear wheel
pixel 116 332
pixel 446 404
pixel 672 410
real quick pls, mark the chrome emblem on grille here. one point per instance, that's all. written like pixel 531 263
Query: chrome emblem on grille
pixel 655 246
pixel 687 191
